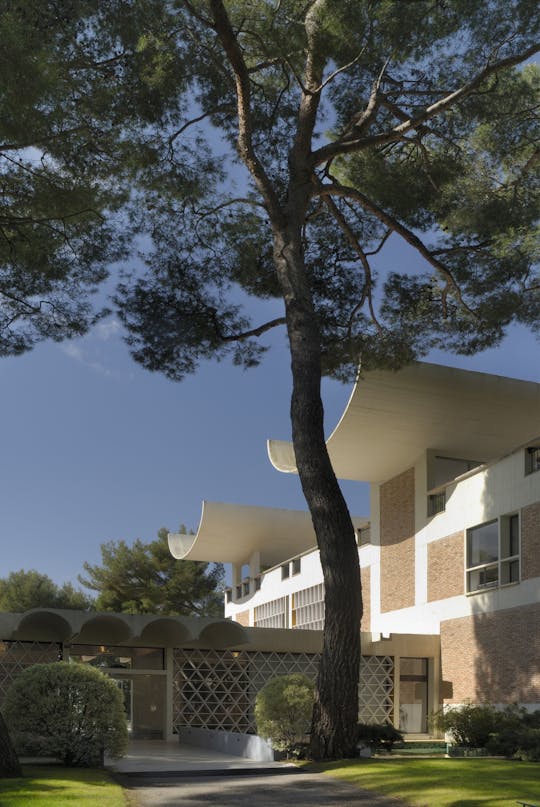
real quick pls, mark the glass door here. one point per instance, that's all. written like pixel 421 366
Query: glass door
pixel 413 695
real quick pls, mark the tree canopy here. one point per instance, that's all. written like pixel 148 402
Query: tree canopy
pixel 144 578
pixel 275 149
pixel 23 590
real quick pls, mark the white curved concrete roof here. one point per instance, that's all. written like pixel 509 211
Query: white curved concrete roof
pixel 393 417
pixel 230 533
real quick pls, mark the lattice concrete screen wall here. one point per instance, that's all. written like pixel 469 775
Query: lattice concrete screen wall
pixel 17 656
pixel 216 689
pixel 376 693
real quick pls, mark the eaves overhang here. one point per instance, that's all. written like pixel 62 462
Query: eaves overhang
pixel 392 418
pixel 231 533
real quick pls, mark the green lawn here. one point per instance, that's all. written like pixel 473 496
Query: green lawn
pixel 44 786
pixel 444 782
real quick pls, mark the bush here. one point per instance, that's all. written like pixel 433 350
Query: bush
pixel 469 725
pixel 70 711
pixel 283 710
pixel 509 732
pixel 379 736
pixel 517 735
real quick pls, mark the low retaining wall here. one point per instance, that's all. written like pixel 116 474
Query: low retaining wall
pixel 249 746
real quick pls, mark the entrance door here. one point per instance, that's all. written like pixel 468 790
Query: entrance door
pixel 144 701
pixel 413 695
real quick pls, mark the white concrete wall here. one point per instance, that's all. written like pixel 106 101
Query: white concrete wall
pixel 499 489
pixel 273 587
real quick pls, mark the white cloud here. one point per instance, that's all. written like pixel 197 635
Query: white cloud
pixel 72 350
pixel 107 329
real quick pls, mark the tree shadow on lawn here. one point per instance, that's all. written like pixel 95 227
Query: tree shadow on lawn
pixel 442 782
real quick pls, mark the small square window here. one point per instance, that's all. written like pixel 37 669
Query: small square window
pixel 436 503
pixel 245 588
pixel 238 592
pixel 532 459
pixel 285 571
pixel 296 565
pixel 228 594
pixel 258 583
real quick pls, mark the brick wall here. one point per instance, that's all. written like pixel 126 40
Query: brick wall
pixel 493 657
pixel 365 576
pixel 530 541
pixel 446 567
pixel 397 542
pixel 243 618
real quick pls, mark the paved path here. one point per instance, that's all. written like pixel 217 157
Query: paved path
pixel 267 790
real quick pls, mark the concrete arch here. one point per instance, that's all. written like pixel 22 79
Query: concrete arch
pixel 223 633
pixel 41 625
pixel 104 629
pixel 166 632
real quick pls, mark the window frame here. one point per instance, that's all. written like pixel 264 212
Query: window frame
pixel 532 460
pixel 506 524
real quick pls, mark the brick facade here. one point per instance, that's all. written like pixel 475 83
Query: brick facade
pixel 446 563
pixel 243 618
pixel 493 657
pixel 397 542
pixel 365 576
pixel 530 541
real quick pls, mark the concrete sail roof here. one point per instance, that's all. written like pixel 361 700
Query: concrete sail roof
pixel 231 533
pixel 393 417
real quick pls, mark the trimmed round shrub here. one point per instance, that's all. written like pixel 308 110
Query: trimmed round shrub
pixel 69 711
pixel 283 710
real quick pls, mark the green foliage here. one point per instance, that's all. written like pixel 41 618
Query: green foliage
pixel 517 735
pixel 283 710
pixel 379 736
pixel 131 106
pixel 69 711
pixel 23 590
pixel 470 725
pixel 512 731
pixel 145 578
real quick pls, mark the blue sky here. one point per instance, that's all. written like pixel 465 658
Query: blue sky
pixel 94 448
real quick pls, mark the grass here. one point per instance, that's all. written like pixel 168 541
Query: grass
pixel 444 782
pixel 54 786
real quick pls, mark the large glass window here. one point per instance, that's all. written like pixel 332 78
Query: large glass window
pixel 493 553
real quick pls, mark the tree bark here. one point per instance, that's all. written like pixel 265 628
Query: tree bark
pixel 9 762
pixel 335 714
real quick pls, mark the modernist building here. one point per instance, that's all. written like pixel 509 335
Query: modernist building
pixel 450 569
pixel 450 555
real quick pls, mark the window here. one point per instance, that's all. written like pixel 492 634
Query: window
pixel 245 588
pixel 228 595
pixel 532 459
pixel 258 583
pixel 285 571
pixel 296 565
pixel 363 535
pixel 238 591
pixel 493 554
pixel 436 503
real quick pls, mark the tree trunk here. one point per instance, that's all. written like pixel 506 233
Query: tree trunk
pixel 335 714
pixel 9 761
